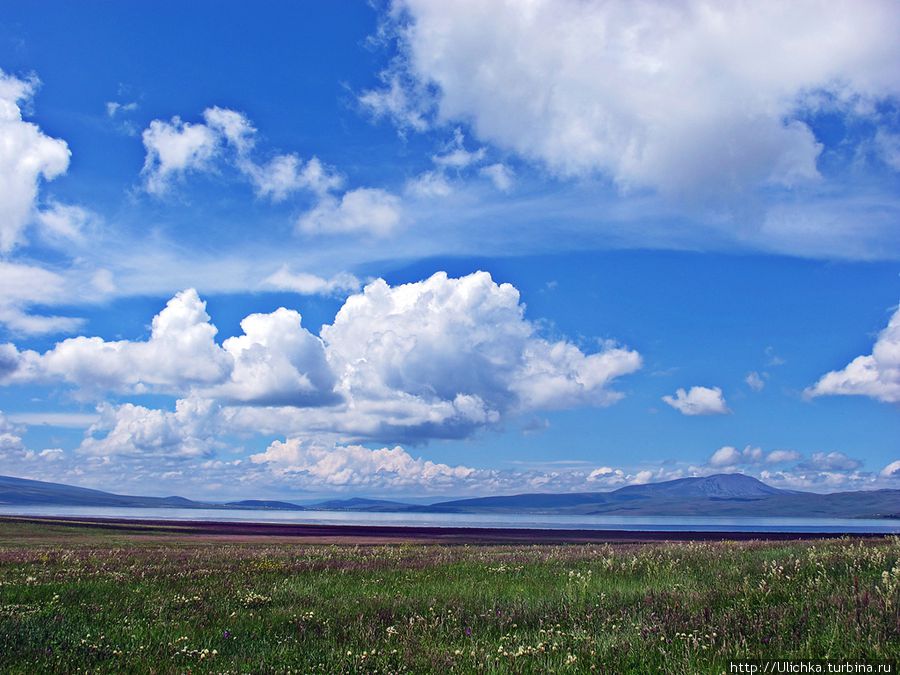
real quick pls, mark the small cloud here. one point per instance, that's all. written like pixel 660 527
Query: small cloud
pixel 103 281
pixel 731 456
pixel 173 149
pixel 400 100
pixel 64 420
pixel 642 477
pixel 892 470
pixel 754 381
pixel 607 476
pixel 114 108
pixel 772 359
pixel 830 461
pixel 310 284
pixel 500 175
pixel 781 456
pixel 875 375
pixel 368 210
pixel 456 156
pixel 430 184
pixel 887 145
pixel 698 401
pixel 64 223
pixel 285 174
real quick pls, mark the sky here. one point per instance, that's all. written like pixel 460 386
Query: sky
pixel 429 249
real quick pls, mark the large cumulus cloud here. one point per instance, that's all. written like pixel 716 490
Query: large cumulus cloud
pixel 876 375
pixel 674 96
pixel 27 156
pixel 435 358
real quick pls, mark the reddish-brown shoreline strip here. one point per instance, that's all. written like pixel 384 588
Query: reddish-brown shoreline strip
pixel 377 534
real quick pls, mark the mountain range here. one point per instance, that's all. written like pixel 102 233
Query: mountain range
pixel 731 494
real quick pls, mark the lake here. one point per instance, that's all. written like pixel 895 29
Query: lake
pixel 536 521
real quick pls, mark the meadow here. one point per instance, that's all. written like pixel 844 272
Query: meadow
pixel 93 600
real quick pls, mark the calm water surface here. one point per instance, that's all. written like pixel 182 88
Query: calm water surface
pixel 545 522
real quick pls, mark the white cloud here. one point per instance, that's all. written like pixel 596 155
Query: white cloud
pixel 642 477
pixel 892 470
pixel 14 452
pixel 436 358
pixel 401 99
pixel 114 108
pixel 368 210
pixel 176 147
pixel 285 174
pixel 358 466
pixel 24 285
pixel 181 351
pixel 276 362
pixel 134 430
pixel 830 461
pixel 673 96
pixel 301 463
pixel 606 475
pixel 888 146
pixel 754 381
pixel 27 156
pixel 455 156
pixel 310 284
pixel 731 456
pixel 64 224
pixel 173 149
pixel 23 323
pixel 782 456
pixel 876 375
pixel 726 456
pixel 233 127
pixel 773 359
pixel 822 481
pixel 280 176
pixel 500 175
pixel 64 420
pixel 103 281
pixel 454 354
pixel 10 360
pixel 430 184
pixel 10 437
pixel 698 401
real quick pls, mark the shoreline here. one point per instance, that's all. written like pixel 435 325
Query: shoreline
pixel 377 534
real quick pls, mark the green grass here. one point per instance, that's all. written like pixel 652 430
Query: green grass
pixel 102 601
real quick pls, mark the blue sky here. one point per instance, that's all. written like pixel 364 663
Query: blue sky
pixel 423 248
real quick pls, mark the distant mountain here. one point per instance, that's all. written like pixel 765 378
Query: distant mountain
pixel 21 491
pixel 719 495
pixel 718 486
pixel 265 504
pixel 25 492
pixel 360 504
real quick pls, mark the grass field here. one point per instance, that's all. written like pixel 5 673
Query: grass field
pixel 84 599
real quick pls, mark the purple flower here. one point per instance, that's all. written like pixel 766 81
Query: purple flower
pixel 468 631
pixel 226 634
